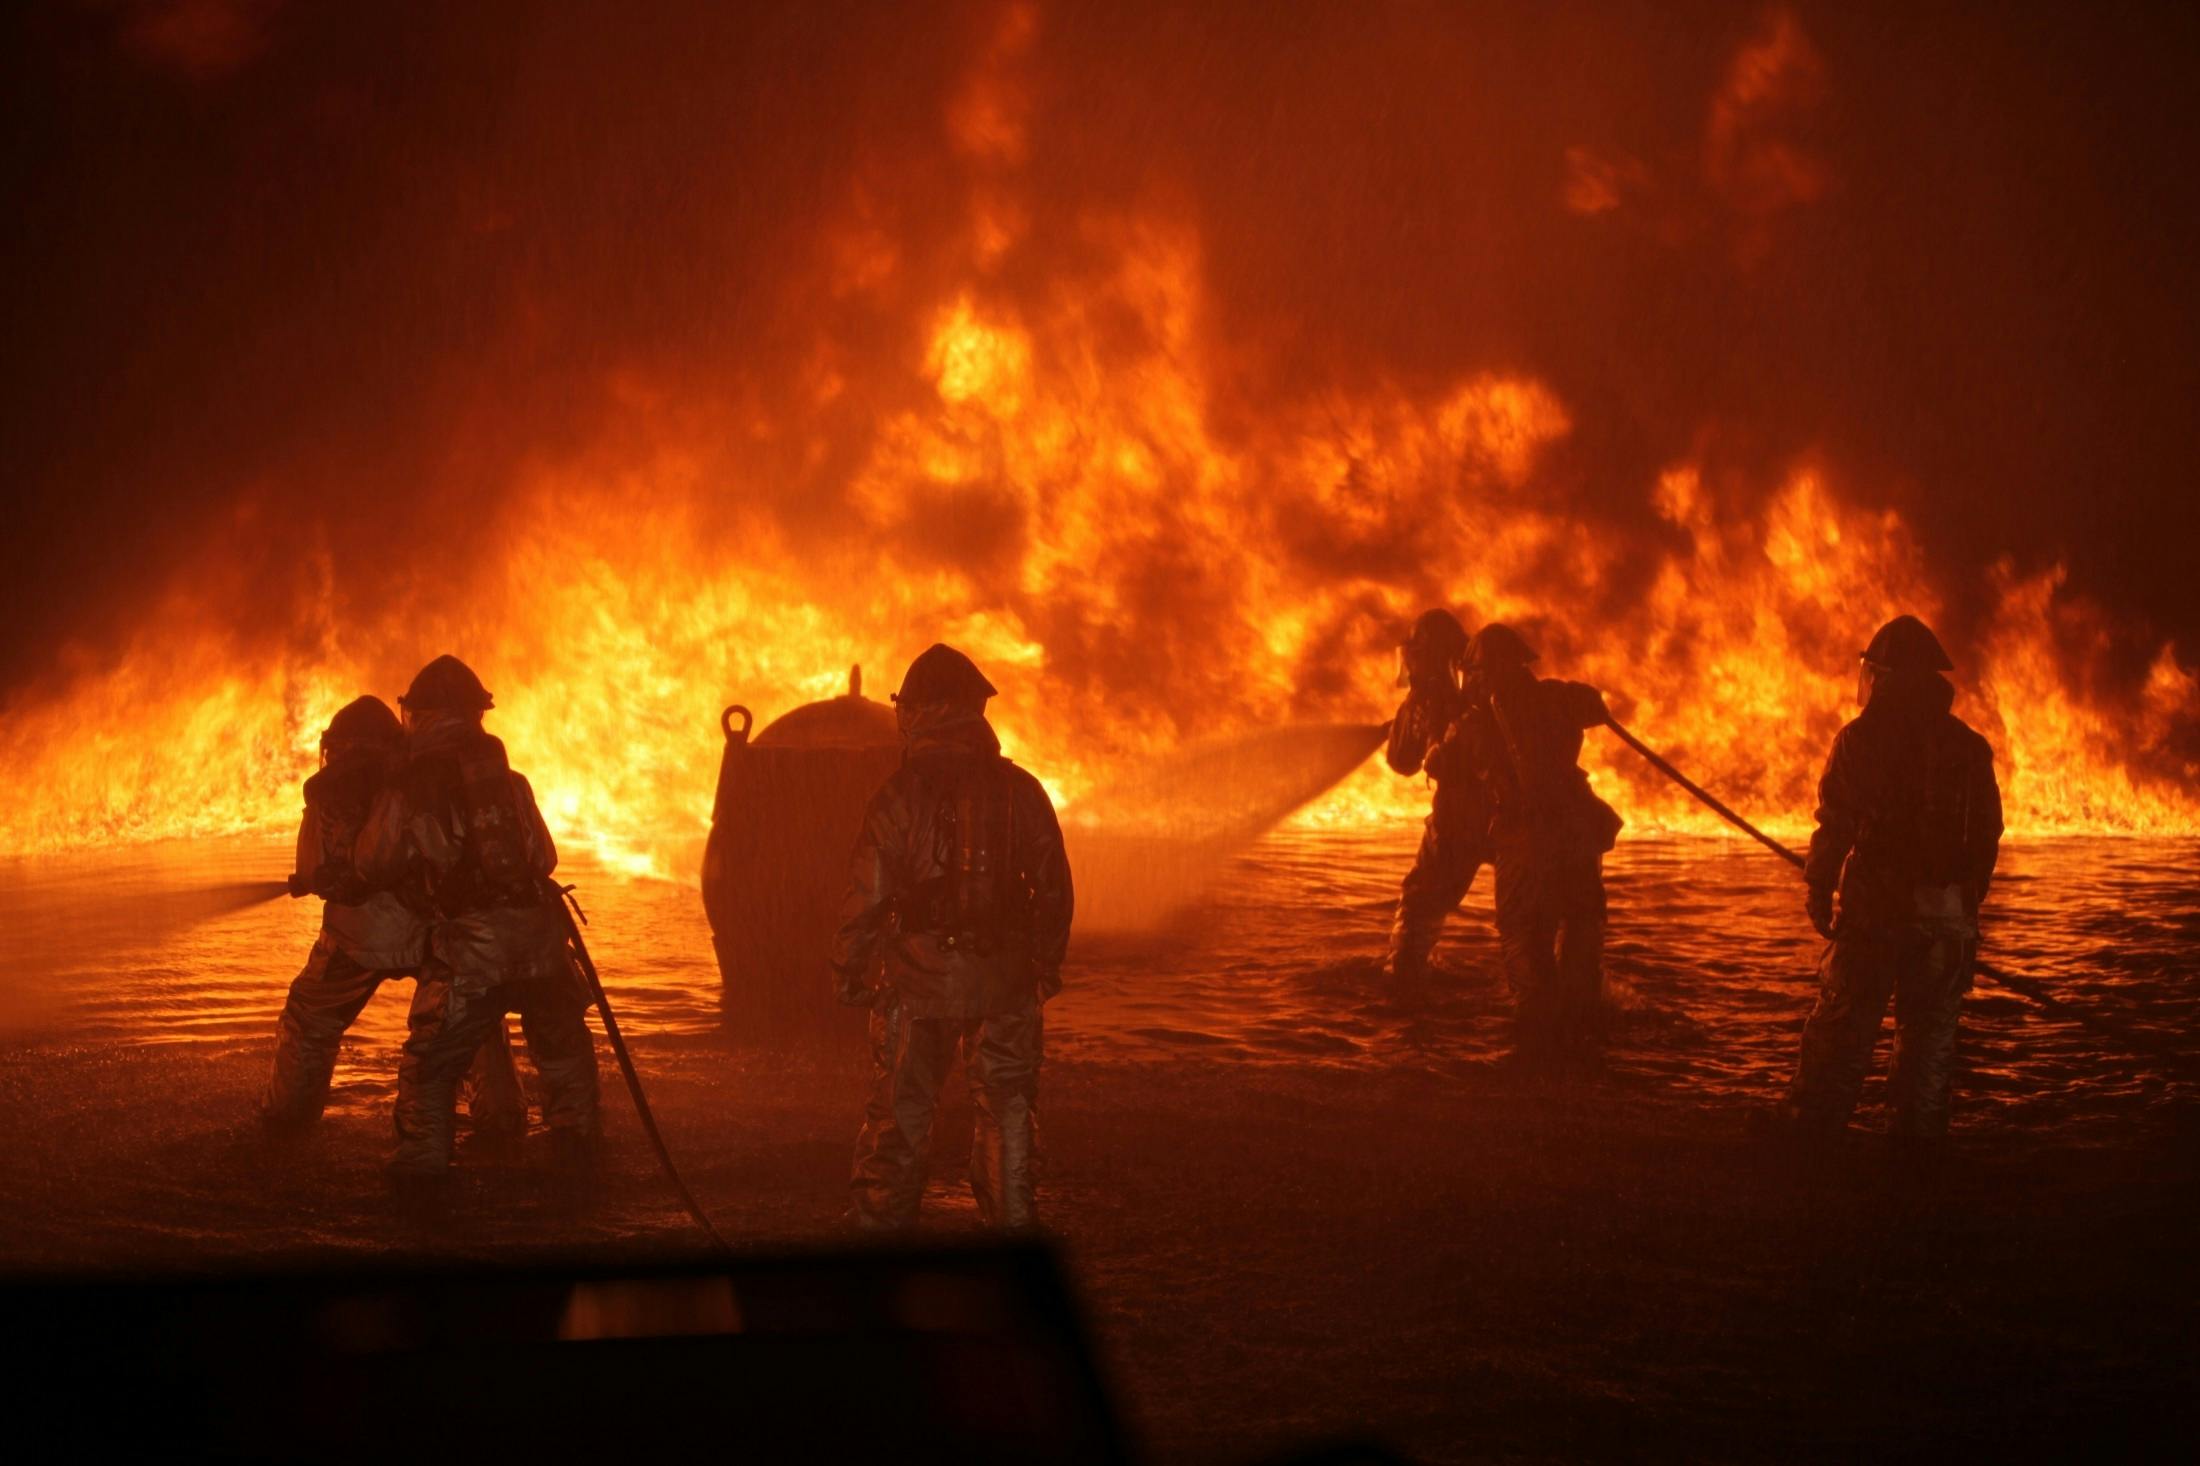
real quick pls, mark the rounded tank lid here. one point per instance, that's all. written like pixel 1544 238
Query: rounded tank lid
pixel 851 721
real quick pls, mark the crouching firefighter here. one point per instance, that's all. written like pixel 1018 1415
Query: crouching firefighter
pixel 959 893
pixel 367 936
pixel 1549 831
pixel 1427 735
pixel 1909 828
pixel 458 834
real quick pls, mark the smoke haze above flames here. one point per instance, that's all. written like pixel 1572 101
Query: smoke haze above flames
pixel 655 357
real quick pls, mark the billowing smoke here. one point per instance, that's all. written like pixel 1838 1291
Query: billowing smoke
pixel 1170 357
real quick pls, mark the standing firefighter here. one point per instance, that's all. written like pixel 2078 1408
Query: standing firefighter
pixel 1909 826
pixel 959 880
pixel 366 936
pixel 459 835
pixel 1549 832
pixel 1428 733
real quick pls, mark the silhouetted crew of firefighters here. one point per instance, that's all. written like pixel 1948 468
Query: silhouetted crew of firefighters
pixel 953 930
pixel 1909 827
pixel 367 935
pixel 1504 747
pixel 432 857
pixel 458 835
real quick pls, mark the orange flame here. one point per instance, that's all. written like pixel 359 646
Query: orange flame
pixel 1135 564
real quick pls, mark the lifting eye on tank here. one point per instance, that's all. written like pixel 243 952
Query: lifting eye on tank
pixel 725 721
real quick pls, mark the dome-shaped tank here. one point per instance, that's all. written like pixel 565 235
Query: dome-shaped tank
pixel 790 803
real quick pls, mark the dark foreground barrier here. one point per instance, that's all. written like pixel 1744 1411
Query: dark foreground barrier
pixel 971 1356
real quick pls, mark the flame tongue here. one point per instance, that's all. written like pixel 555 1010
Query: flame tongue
pixel 1149 601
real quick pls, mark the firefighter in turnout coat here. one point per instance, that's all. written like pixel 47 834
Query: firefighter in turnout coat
pixel 459 836
pixel 1432 732
pixel 1909 828
pixel 366 936
pixel 952 932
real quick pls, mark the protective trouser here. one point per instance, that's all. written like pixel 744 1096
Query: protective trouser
pixel 494 1101
pixel 1443 870
pixel 326 998
pixel 912 1055
pixel 1550 931
pixel 448 1026
pixel 1925 967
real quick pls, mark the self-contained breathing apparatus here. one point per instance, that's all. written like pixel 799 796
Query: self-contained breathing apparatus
pixel 1925 819
pixel 338 797
pixel 1429 666
pixel 1924 822
pixel 976 901
pixel 470 796
pixel 1534 771
pixel 358 748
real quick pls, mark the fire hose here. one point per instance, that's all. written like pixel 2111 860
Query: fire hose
pixel 569 907
pixel 2024 986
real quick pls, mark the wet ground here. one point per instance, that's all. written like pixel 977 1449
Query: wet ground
pixel 1297 1207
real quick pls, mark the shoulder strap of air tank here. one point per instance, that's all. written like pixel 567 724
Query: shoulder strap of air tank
pixel 1508 744
pixel 1949 731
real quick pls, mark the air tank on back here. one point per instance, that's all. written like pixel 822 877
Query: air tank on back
pixel 790 803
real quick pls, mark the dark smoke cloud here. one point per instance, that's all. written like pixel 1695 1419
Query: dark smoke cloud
pixel 311 283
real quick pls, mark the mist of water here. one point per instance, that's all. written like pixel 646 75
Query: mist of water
pixel 76 915
pixel 1148 846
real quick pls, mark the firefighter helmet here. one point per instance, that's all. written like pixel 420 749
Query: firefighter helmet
pixel 1908 644
pixel 1498 645
pixel 446 685
pixel 362 720
pixel 942 674
pixel 1438 636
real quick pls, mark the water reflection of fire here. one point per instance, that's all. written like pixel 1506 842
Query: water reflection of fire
pixel 1056 488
